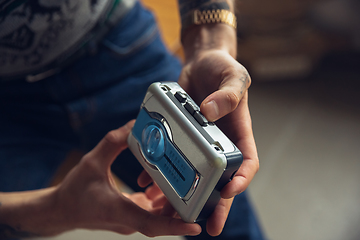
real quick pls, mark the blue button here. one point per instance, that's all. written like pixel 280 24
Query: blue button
pixel 153 142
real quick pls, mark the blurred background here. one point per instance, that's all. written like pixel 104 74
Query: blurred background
pixel 304 60
pixel 303 56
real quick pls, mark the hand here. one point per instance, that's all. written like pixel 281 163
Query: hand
pixel 217 73
pixel 88 197
pixel 215 79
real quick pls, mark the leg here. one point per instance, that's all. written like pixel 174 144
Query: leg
pixel 102 92
pixel 34 136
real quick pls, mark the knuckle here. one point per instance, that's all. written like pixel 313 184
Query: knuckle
pixel 246 76
pixel 88 163
pixel 148 232
pixel 229 71
pixel 112 137
pixel 248 80
pixel 117 137
pixel 145 228
pixel 87 157
pixel 257 165
pixel 233 100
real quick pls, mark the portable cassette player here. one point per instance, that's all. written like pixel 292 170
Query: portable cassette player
pixel 188 157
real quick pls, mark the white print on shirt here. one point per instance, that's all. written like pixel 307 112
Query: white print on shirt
pixel 33 33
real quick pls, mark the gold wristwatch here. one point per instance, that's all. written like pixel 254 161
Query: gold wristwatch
pixel 214 16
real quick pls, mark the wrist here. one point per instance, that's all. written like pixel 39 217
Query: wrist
pixel 217 36
pixel 31 213
pixel 208 25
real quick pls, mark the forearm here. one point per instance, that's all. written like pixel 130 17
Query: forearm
pixel 29 214
pixel 198 37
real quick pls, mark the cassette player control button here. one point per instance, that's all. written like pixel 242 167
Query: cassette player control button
pixel 200 118
pixel 191 107
pixel 153 142
pixel 181 97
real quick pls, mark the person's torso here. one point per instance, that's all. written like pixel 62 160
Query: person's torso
pixel 34 33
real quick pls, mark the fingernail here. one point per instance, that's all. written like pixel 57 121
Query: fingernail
pixel 212 112
pixel 194 232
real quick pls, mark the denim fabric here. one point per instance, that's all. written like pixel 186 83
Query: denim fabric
pixel 41 122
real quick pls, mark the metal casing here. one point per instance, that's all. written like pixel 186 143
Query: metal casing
pixel 202 152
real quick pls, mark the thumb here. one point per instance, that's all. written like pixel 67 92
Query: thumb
pixel 227 97
pixel 111 145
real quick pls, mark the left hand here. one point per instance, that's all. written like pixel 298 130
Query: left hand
pixel 89 198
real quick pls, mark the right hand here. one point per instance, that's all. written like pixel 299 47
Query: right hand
pixel 89 198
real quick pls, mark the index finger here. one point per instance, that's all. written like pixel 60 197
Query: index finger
pixel 227 98
pixel 243 138
pixel 110 146
pixel 216 221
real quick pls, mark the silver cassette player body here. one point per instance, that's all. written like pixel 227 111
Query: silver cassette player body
pixel 189 158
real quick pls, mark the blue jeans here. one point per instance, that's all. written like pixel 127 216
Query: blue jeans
pixel 41 122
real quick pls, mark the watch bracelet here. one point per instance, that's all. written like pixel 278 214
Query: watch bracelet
pixel 214 16
pixel 198 17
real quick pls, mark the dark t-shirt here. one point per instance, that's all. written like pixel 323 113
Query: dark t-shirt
pixel 34 33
